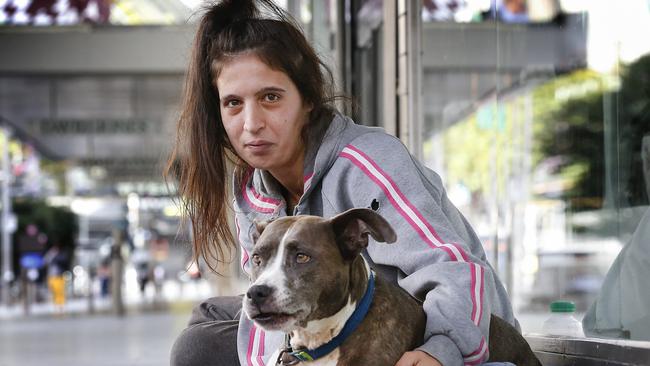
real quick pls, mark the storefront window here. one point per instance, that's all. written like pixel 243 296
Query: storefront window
pixel 538 119
pixel 113 12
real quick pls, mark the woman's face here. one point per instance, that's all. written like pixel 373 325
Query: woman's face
pixel 263 114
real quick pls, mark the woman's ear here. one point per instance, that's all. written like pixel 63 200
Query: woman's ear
pixel 307 106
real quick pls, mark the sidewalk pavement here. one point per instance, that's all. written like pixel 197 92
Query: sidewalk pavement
pixel 142 337
pixel 137 339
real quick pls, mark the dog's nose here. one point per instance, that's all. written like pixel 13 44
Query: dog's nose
pixel 259 293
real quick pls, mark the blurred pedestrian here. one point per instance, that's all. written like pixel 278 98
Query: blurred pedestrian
pixel 104 275
pixel 142 262
pixel 117 271
pixel 56 260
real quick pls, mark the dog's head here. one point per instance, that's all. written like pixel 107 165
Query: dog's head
pixel 301 266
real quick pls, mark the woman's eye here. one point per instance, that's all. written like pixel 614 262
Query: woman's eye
pixel 302 258
pixel 256 260
pixel 232 103
pixel 271 97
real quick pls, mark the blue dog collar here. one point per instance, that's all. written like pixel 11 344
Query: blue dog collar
pixel 350 326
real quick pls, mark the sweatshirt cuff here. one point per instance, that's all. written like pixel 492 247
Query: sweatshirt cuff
pixel 443 349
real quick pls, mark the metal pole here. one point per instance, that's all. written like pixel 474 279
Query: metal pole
pixel 415 74
pixel 389 72
pixel 7 271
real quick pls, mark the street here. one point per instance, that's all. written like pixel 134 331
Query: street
pixel 140 339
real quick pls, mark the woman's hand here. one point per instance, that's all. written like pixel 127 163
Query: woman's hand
pixel 418 358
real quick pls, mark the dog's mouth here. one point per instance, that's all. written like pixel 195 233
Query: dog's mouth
pixel 271 317
pixel 272 320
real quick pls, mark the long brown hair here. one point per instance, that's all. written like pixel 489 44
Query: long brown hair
pixel 199 160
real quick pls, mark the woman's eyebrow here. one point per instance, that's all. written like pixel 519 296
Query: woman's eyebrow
pixel 265 90
pixel 270 89
pixel 228 97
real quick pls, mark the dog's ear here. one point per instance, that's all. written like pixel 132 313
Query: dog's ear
pixel 352 227
pixel 259 226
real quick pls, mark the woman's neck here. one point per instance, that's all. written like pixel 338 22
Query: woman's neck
pixel 291 200
pixel 292 184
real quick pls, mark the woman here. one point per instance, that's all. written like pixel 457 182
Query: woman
pixel 256 95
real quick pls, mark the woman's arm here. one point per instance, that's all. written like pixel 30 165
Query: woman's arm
pixel 436 265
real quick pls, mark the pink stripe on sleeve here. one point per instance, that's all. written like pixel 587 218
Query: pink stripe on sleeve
pixel 477 357
pixel 473 292
pixel 405 200
pixel 251 342
pixel 482 274
pixel 397 206
pixel 426 231
pixel 244 253
pixel 260 349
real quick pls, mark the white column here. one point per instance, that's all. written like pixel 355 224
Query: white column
pixel 409 74
pixel 8 219
pixel 389 71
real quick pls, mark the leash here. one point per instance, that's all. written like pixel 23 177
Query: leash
pixel 289 357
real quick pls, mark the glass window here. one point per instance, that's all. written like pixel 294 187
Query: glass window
pixel 110 12
pixel 538 118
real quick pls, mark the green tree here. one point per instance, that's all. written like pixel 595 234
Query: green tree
pixel 576 132
pixel 59 224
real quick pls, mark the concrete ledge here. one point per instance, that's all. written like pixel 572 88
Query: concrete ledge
pixel 93 50
pixel 564 351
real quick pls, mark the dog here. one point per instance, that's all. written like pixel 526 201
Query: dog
pixel 310 282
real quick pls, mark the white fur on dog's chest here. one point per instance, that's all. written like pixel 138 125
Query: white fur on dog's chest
pixel 321 331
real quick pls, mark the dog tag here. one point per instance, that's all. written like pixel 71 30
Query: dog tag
pixel 286 358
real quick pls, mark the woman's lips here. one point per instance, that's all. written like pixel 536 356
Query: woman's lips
pixel 258 146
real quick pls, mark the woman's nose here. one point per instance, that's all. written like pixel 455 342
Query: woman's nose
pixel 253 119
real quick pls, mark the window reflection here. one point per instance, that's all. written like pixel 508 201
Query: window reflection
pixel 541 131
pixel 112 12
pixel 621 308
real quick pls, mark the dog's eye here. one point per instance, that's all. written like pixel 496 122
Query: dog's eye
pixel 302 258
pixel 256 260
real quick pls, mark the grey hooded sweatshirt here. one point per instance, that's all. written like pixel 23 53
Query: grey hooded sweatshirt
pixel 437 257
